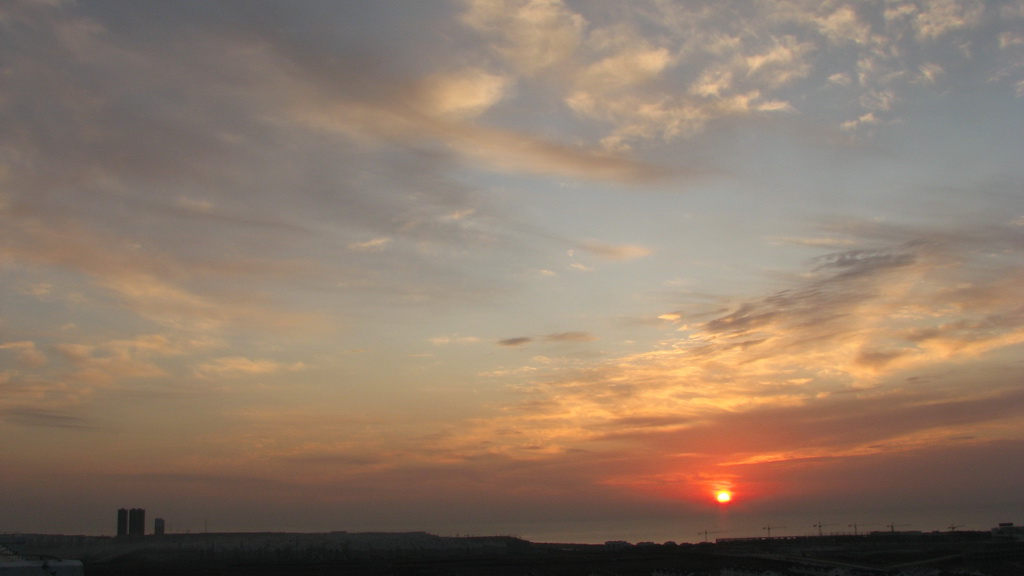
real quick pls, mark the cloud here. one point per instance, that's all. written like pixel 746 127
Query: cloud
pixel 875 349
pixel 866 261
pixel 27 353
pixel 113 363
pixel 930 73
pixel 96 146
pixel 35 417
pixel 54 389
pixel 560 337
pixel 503 150
pixel 843 26
pixel 322 118
pixel 614 252
pixel 171 163
pixel 444 340
pixel 570 337
pixel 938 18
pixel 840 78
pixel 816 241
pixel 781 63
pixel 613 74
pixel 867 119
pixel 109 364
pixel 463 94
pixel 738 59
pixel 534 36
pixel 150 282
pixel 239 366
pixel 40 290
pixel 373 245
pixel 195 206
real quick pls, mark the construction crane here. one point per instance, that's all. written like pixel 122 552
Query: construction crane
pixel 953 527
pixel 855 525
pixel 892 526
pixel 706 532
pixel 819 526
pixel 769 529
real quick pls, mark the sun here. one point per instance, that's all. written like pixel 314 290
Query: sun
pixel 723 496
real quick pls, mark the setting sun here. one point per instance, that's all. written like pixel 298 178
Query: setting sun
pixel 723 496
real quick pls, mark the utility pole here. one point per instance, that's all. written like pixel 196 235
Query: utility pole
pixel 854 526
pixel 706 532
pixel 819 526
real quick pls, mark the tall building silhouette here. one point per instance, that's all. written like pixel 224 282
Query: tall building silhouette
pixel 122 522
pixel 158 527
pixel 136 522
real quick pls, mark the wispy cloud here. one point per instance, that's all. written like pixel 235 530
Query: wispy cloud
pixel 152 283
pixel 570 337
pixel 26 352
pixel 201 200
pixel 105 366
pixel 740 60
pixel 238 367
pixel 373 245
pixel 558 337
pixel 517 341
pixel 44 418
pixel 824 369
pixel 615 252
pixel 55 383
pixel 443 340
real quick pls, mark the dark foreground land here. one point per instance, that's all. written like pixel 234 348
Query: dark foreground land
pixel 416 554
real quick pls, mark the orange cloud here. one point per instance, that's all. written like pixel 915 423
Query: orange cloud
pixel 823 370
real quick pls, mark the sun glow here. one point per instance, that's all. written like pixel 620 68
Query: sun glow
pixel 723 496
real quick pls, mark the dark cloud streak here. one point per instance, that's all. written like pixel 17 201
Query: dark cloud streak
pixel 39 417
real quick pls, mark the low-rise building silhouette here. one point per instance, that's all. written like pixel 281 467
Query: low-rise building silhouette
pixel 1008 531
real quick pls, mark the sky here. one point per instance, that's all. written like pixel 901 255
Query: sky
pixel 555 269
